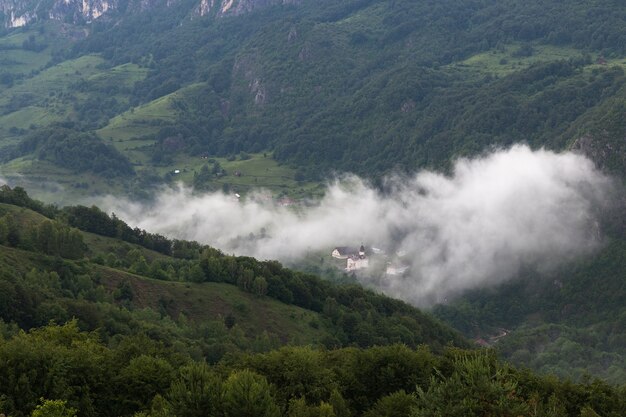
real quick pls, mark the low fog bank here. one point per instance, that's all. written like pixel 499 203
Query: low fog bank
pixel 495 214
pixel 3 181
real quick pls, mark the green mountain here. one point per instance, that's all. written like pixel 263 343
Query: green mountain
pixel 360 86
pixel 121 96
pixel 99 319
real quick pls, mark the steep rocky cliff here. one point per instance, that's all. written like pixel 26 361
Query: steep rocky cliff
pixel 236 7
pixel 17 13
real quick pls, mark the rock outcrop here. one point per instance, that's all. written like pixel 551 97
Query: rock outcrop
pixel 17 13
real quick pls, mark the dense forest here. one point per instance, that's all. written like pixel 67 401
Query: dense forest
pixel 79 152
pixel 569 323
pixel 99 318
pixel 91 325
pixel 363 86
pixel 381 92
pixel 142 377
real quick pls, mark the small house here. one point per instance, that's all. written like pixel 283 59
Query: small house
pixel 343 252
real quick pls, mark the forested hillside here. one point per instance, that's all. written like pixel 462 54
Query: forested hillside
pixel 98 319
pixel 569 323
pixel 360 86
pixel 118 256
pixel 284 97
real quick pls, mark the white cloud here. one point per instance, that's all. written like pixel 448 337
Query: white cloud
pixel 477 227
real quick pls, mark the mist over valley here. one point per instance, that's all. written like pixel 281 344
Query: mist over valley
pixel 303 208
pixel 476 227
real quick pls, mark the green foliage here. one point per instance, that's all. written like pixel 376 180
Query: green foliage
pixel 53 238
pixel 567 323
pixel 197 392
pixel 9 231
pixel 138 345
pixel 79 152
pixel 19 197
pixel 397 404
pixel 134 375
pixel 53 408
pixel 94 220
pixel 407 108
pixel 363 86
pixel 247 394
pixel 477 387
pixel 299 408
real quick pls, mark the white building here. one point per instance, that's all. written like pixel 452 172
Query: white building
pixel 355 263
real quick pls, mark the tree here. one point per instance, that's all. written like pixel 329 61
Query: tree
pixel 71 245
pixel 140 267
pixel 245 280
pixel 47 238
pixel 4 231
pixel 299 372
pixel 196 392
pixel 196 274
pixel 229 321
pixel 398 404
pixel 340 407
pixel 12 235
pixel 299 408
pixel 247 394
pixel 259 286
pixel 143 378
pixel 111 260
pixel 53 408
pixel 477 387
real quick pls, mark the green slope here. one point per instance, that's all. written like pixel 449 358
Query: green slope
pixel 569 323
pixel 101 340
pixel 186 285
pixel 362 86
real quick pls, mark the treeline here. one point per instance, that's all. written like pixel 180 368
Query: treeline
pixel 92 219
pixel 89 219
pixel 18 196
pixel 74 373
pixel 50 238
pixel 73 150
pixel 363 317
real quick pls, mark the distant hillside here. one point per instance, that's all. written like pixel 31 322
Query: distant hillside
pixel 570 322
pixel 362 86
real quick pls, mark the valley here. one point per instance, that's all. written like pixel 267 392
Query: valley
pixel 174 176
